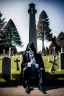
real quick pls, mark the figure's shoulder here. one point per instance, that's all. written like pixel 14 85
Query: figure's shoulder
pixel 39 55
pixel 23 54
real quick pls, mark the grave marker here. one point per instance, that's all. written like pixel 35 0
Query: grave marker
pixel 4 52
pixel 9 51
pixel 17 66
pixel 48 59
pixel 56 57
pixel 6 67
pixel 52 68
pixel 62 61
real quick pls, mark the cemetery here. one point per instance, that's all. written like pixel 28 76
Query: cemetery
pixel 14 74
pixel 47 64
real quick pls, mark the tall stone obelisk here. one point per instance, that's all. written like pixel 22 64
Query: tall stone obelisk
pixel 32 24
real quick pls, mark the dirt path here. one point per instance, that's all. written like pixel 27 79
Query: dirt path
pixel 20 91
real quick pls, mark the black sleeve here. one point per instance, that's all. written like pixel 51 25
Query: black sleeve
pixel 40 61
pixel 23 61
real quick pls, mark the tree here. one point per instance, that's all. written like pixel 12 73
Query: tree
pixel 54 43
pixel 43 30
pixel 2 25
pixel 11 35
pixel 60 39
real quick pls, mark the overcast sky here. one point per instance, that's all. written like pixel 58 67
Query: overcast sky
pixel 17 10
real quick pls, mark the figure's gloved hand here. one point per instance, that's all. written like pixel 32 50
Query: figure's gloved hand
pixel 29 64
pixel 24 69
pixel 33 60
pixel 36 65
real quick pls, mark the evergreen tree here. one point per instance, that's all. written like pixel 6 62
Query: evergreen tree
pixel 2 25
pixel 2 22
pixel 43 30
pixel 11 34
pixel 60 40
pixel 54 43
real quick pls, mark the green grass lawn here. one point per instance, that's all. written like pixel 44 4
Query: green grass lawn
pixel 49 64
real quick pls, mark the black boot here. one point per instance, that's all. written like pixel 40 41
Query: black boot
pixel 40 87
pixel 27 87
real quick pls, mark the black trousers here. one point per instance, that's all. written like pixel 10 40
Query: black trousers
pixel 27 73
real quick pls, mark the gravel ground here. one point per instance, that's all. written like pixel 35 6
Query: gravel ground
pixel 34 91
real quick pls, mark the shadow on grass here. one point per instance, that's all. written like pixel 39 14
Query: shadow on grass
pixel 46 88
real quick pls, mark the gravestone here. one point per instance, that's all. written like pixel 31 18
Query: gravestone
pixel 58 54
pixel 62 49
pixel 17 66
pixel 56 57
pixel 48 59
pixel 6 67
pixel 9 51
pixel 3 52
pixel 62 61
pixel 52 67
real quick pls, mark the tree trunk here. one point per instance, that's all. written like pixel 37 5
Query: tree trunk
pixel 42 44
pixel 42 41
pixel 43 47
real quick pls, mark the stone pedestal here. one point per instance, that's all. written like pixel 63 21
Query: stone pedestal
pixel 32 24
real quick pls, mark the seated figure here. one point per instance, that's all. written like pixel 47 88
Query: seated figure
pixel 32 63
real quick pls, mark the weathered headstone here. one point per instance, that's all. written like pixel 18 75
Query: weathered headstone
pixel 62 61
pixel 3 52
pixel 6 67
pixel 52 68
pixel 17 66
pixel 58 54
pixel 56 57
pixel 62 49
pixel 9 51
pixel 48 59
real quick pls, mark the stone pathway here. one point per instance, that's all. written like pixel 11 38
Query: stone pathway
pixel 20 91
